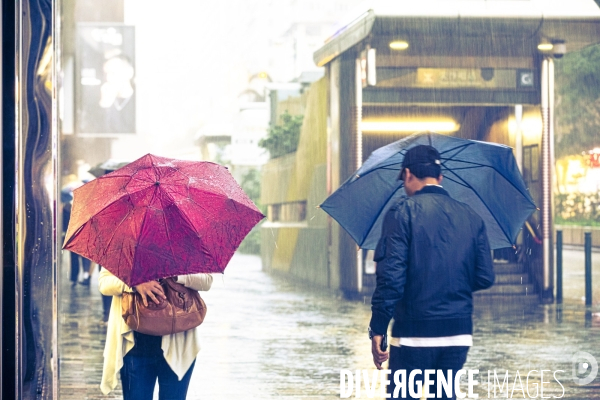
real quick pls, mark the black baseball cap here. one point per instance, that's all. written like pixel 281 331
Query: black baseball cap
pixel 422 157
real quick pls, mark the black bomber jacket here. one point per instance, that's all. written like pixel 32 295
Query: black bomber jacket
pixel 433 254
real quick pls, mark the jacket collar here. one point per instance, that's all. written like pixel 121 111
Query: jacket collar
pixel 432 189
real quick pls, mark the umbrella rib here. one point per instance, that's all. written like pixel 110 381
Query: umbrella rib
pixel 144 220
pixel 168 233
pixel 457 182
pixel 460 148
pixel 464 147
pixel 465 168
pixel 114 232
pixel 525 194
pixel 486 206
pixel 380 210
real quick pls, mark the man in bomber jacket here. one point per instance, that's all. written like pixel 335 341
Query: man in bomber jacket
pixel 433 254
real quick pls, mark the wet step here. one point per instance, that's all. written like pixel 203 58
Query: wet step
pixel 508 268
pixel 492 303
pixel 517 279
pixel 508 290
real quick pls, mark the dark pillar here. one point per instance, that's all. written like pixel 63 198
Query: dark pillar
pixel 7 360
pixel 348 122
pixel 559 267
pixel 28 210
pixel 588 269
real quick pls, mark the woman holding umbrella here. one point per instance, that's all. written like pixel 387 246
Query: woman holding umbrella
pixel 142 359
pixel 152 219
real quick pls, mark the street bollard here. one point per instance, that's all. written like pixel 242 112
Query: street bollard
pixel 559 267
pixel 588 268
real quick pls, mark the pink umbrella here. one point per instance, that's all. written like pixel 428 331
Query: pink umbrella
pixel 158 217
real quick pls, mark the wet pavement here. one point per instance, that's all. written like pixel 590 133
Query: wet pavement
pixel 266 338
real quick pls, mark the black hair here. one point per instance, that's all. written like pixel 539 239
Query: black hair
pixel 422 171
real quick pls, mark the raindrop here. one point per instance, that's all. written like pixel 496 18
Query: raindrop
pixel 272 234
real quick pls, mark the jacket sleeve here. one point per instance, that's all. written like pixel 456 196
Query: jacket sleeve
pixel 391 256
pixel 200 282
pixel 110 285
pixel 484 268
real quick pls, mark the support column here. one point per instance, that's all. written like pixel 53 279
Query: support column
pixel 346 124
pixel 358 151
pixel 519 136
pixel 29 170
pixel 547 100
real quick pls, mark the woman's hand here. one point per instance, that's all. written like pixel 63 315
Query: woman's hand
pixel 152 290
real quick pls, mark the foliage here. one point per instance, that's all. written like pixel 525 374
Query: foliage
pixel 250 183
pixel 283 139
pixel 578 101
pixel 578 208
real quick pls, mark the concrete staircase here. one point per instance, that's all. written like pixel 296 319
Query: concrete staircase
pixel 512 281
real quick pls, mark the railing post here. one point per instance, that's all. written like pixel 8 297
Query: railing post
pixel 588 268
pixel 559 267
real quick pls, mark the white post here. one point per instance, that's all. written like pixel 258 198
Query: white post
pixel 547 100
pixel 519 136
pixel 358 155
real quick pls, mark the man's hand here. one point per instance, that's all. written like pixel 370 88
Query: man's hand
pixel 379 357
pixel 151 290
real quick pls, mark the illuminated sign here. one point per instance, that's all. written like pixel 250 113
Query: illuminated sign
pixel 451 78
pixel 465 77
pixel 525 78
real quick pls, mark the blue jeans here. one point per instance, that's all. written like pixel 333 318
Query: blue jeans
pixel 139 375
pixel 411 358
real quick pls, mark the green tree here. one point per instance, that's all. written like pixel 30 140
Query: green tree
pixel 250 183
pixel 283 139
pixel 578 101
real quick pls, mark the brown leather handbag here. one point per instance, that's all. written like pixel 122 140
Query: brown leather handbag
pixel 183 309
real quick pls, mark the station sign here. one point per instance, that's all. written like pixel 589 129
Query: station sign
pixel 455 78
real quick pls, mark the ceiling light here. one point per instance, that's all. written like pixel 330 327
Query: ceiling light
pixel 545 46
pixel 447 126
pixel 399 45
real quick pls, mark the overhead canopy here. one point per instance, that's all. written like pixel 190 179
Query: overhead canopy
pixel 576 22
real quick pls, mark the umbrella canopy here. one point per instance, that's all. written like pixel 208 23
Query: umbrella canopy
pixel 480 174
pixel 159 217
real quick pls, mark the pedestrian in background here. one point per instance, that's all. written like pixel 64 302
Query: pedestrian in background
pixel 433 254
pixel 77 262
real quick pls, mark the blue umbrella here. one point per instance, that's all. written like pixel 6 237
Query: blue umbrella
pixel 480 174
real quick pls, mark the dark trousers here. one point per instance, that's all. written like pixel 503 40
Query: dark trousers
pixel 434 358
pixel 143 365
pixel 75 265
pixel 106 302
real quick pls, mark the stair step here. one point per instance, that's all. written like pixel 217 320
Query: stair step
pixel 518 279
pixel 508 290
pixel 508 268
pixel 491 304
